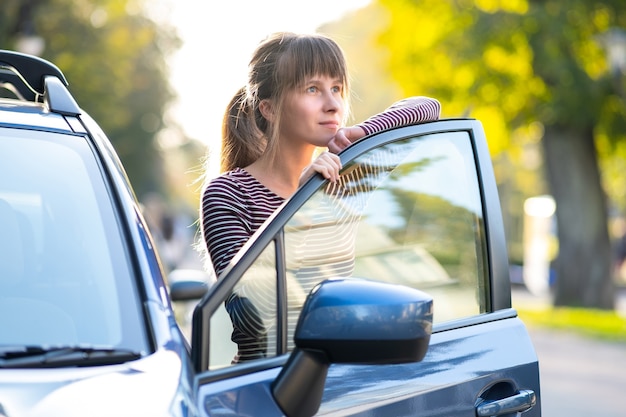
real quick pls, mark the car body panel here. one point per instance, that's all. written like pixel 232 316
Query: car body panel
pixel 146 387
pixel 469 361
pixel 460 365
pixel 33 117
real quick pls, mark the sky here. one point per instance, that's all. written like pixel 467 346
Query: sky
pixel 218 40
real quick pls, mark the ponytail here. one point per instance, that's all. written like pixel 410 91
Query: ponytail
pixel 242 141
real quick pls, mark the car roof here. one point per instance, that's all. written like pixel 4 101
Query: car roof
pixel 25 115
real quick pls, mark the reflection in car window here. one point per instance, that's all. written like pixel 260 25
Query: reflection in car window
pixel 252 305
pixel 68 280
pixel 408 213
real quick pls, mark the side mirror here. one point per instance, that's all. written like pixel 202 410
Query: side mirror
pixel 188 284
pixel 351 321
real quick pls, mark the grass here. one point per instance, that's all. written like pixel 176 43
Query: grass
pixel 597 324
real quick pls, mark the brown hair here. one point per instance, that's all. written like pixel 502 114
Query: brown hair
pixel 280 63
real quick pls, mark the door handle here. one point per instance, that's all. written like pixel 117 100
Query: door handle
pixel 519 402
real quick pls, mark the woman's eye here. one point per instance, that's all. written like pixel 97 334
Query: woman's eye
pixel 337 89
pixel 311 89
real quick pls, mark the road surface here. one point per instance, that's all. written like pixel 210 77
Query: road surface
pixel 580 376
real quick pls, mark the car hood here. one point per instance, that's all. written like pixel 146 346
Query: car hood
pixel 145 387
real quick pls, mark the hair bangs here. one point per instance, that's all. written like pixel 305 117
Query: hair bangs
pixel 309 56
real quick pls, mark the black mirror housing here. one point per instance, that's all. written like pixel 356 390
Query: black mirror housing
pixel 369 322
pixel 352 321
pixel 188 284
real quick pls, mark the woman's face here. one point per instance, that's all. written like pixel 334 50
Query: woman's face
pixel 313 112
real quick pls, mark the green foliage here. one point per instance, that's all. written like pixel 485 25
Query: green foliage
pixel 438 226
pixel 511 63
pixel 373 88
pixel 114 57
pixel 599 324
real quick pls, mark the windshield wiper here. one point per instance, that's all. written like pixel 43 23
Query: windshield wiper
pixel 60 356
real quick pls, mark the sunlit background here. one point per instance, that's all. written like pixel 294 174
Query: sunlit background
pixel 547 80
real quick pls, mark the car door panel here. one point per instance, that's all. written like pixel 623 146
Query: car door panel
pixel 460 365
pixel 240 395
pixel 449 244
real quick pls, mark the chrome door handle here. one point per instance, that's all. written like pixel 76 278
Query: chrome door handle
pixel 519 402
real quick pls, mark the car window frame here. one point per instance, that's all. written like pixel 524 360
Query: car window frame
pixel 498 294
pixel 139 246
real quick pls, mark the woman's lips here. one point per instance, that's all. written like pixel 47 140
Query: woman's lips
pixel 330 124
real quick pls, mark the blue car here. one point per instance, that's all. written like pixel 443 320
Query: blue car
pixel 385 294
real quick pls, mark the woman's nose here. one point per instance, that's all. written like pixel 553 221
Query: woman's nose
pixel 333 102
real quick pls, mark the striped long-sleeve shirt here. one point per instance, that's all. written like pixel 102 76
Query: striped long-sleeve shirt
pixel 235 204
pixel 401 113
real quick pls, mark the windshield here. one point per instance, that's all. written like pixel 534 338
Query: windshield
pixel 65 278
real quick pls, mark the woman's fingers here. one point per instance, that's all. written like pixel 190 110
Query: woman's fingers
pixel 328 164
pixel 339 142
pixel 344 137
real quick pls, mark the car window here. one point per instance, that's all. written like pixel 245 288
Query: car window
pixel 408 212
pixel 65 278
pixel 252 305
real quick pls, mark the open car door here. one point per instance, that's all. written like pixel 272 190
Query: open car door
pixel 413 316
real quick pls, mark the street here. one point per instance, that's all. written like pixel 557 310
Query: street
pixel 579 376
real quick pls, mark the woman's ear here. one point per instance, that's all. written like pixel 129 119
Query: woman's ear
pixel 267 110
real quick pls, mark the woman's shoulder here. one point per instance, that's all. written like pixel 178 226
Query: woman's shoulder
pixel 225 192
pixel 228 182
pixel 236 183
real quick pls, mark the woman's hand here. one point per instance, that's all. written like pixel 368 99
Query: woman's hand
pixel 344 137
pixel 327 164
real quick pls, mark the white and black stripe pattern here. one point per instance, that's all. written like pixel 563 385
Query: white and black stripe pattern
pixel 324 246
pixel 404 112
pixel 234 206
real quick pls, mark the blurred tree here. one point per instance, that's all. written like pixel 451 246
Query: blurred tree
pixel 114 55
pixel 533 72
pixel 579 106
pixel 373 87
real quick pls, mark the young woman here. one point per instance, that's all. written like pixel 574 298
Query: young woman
pixel 295 101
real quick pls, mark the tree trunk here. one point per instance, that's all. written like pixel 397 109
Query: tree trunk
pixel 583 264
